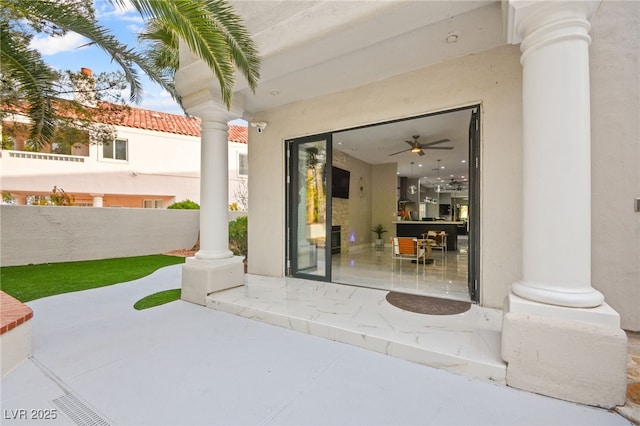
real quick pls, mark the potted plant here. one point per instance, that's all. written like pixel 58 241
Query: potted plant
pixel 378 230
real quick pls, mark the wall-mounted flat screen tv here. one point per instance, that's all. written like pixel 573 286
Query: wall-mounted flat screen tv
pixel 340 183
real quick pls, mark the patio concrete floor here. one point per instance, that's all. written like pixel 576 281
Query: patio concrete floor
pixel 183 364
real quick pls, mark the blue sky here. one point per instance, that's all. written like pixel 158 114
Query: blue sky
pixel 66 54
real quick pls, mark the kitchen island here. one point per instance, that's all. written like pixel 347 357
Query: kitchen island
pixel 415 228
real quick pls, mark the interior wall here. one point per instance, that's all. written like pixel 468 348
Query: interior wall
pixel 383 204
pixel 615 155
pixel 352 214
pixel 492 78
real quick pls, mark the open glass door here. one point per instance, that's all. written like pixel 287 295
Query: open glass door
pixel 474 205
pixel 309 207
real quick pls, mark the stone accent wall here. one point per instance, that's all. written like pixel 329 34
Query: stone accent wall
pixel 340 206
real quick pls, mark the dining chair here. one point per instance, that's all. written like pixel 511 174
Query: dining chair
pixel 411 249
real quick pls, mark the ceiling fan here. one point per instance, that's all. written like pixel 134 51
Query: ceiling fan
pixel 418 148
pixel 456 184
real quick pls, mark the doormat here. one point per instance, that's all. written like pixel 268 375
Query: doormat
pixel 427 305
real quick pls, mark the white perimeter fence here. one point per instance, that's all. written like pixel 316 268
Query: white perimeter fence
pixel 50 234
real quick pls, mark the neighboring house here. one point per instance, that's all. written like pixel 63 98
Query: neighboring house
pixel 549 92
pixel 153 162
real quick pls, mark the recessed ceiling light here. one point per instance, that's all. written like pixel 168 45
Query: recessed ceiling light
pixel 451 38
pixel 419 165
pixel 274 92
pixel 463 161
pixel 442 167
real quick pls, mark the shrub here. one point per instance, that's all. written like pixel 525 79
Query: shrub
pixel 186 205
pixel 238 236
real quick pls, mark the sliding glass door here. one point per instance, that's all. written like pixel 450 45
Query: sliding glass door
pixel 309 207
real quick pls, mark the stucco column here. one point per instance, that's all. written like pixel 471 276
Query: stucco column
pixel 214 267
pixel 214 190
pixel 553 316
pixel 98 200
pixel 556 155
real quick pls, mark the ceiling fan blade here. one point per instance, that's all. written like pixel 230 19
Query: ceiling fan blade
pixel 421 152
pixel 400 152
pixel 412 143
pixel 437 147
pixel 424 145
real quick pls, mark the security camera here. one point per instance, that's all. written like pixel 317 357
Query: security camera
pixel 259 126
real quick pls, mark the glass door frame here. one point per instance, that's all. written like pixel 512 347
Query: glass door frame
pixel 473 274
pixel 292 177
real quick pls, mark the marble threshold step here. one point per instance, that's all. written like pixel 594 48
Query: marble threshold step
pixel 467 344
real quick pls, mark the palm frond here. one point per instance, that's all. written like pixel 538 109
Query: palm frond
pixel 35 78
pixel 65 16
pixel 213 32
pixel 162 50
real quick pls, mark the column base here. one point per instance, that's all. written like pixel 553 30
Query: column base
pixel 203 277
pixel 589 298
pixel 573 354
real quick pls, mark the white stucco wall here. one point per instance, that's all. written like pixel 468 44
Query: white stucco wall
pixel 41 234
pixel 615 150
pixel 158 164
pixel 492 77
pixel 236 180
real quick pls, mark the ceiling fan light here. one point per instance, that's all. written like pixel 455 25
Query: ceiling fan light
pixel 415 149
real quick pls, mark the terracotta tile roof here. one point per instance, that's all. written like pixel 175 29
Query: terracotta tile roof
pixel 145 119
pixel 164 122
pixel 238 134
pixel 148 120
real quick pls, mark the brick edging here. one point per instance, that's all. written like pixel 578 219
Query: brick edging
pixel 12 312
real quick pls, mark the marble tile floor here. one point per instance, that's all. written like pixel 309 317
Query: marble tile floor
pixel 466 344
pixel 446 277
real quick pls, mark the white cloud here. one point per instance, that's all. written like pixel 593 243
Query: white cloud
pixel 135 29
pixel 52 45
pixel 106 11
pixel 156 99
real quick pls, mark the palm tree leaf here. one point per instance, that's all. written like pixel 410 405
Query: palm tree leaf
pixel 36 79
pixel 213 32
pixel 162 51
pixel 65 16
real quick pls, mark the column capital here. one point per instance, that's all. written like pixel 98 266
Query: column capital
pixel 206 104
pixel 213 123
pixel 522 17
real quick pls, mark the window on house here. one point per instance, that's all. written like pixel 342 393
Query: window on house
pixel 243 164
pixel 116 150
pixel 152 204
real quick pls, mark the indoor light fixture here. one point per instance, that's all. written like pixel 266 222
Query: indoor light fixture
pixel 415 149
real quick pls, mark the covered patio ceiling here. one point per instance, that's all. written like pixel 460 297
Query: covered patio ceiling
pixel 313 48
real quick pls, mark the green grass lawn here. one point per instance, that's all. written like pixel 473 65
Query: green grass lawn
pixel 157 299
pixel 32 282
